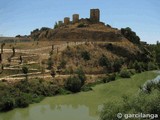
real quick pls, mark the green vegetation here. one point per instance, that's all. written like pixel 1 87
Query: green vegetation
pixel 125 73
pixel 25 71
pixel 130 35
pixel 109 78
pixel 140 103
pixel 81 25
pixel 81 75
pixel 73 84
pixel 55 25
pixel 24 93
pixel 85 55
pixel 103 61
pixel 50 63
pixel 155 49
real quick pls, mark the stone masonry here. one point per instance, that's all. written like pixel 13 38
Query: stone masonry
pixel 95 15
pixel 75 18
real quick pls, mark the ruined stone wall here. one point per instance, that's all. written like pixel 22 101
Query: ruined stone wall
pixel 95 15
pixel 75 18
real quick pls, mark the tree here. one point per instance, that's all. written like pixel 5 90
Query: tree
pixel 81 75
pixel 73 84
pixel 103 61
pixel 21 59
pixel 2 45
pixel 137 67
pixel 130 35
pixel 85 55
pixel 50 63
pixel 13 50
pixel 25 71
pixel 117 65
pixel 55 25
pixel 53 72
pixel 7 103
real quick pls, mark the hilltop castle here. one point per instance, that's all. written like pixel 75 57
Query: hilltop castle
pixel 94 18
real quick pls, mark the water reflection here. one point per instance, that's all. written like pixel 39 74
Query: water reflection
pixel 50 112
pixel 80 106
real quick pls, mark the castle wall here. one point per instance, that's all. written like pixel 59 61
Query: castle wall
pixel 75 18
pixel 95 15
pixel 66 20
pixel 60 22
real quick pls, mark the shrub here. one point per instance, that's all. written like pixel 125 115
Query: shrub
pixel 86 88
pixel 85 55
pixel 53 73
pixel 103 61
pixel 73 84
pixel 151 66
pixel 7 103
pixel 141 103
pixel 110 77
pixel 24 69
pixel 81 25
pixel 23 100
pixel 130 35
pixel 63 91
pixel 125 74
pixel 137 67
pixel 50 63
pixel 62 64
pixel 117 65
pixel 132 71
pixel 81 75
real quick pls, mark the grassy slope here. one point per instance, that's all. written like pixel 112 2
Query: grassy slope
pixel 129 86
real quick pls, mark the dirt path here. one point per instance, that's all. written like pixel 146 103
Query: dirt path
pixel 29 51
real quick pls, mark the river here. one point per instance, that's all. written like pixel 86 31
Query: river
pixel 80 106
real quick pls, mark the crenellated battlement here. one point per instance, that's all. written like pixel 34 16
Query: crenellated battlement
pixel 94 18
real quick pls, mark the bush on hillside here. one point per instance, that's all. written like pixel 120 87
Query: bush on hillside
pixel 125 74
pixel 141 103
pixel 117 65
pixel 81 75
pixel 85 55
pixel 50 63
pixel 130 35
pixel 73 84
pixel 81 25
pixel 62 64
pixel 110 77
pixel 23 100
pixel 103 61
pixel 152 66
pixel 137 67
pixel 7 102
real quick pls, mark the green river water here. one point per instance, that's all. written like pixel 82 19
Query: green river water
pixel 80 106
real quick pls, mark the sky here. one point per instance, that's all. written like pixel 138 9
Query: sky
pixel 23 16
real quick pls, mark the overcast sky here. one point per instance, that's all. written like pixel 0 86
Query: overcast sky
pixel 23 16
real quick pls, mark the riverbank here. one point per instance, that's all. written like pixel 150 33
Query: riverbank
pixel 84 104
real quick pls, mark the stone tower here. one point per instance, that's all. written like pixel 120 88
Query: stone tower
pixel 95 15
pixel 60 22
pixel 66 20
pixel 75 18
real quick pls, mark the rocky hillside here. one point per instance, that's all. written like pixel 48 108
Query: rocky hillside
pixel 79 32
pixel 104 41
